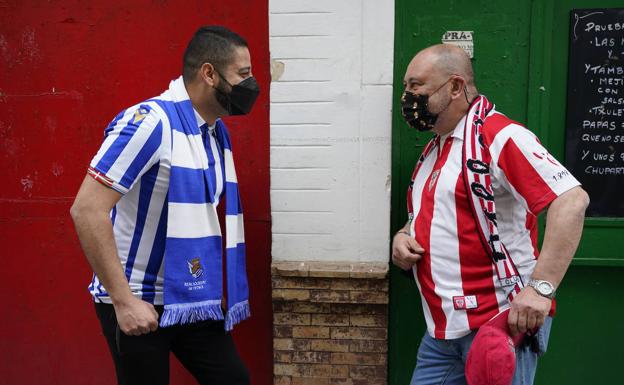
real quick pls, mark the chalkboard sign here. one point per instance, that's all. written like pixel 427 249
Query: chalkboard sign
pixel 595 109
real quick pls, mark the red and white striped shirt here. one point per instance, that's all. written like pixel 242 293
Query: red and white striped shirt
pixel 457 281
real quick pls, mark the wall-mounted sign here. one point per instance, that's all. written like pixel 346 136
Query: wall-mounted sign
pixel 595 109
pixel 462 39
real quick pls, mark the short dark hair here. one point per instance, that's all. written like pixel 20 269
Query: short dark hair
pixel 212 44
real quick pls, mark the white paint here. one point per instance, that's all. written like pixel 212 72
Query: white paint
pixel 462 39
pixel 331 101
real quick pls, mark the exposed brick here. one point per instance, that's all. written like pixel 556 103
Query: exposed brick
pixel 329 296
pixel 353 308
pixel 291 294
pixel 283 344
pixel 291 319
pixel 286 269
pixel 361 372
pixel 360 284
pixel 321 370
pixel 282 331
pixel 311 357
pixel 282 356
pixel 300 307
pixel 358 358
pixel 330 345
pixel 281 380
pixel 330 319
pixel 352 381
pixel 309 381
pixel 368 346
pixel 368 297
pixel 375 320
pixel 300 283
pixel 301 345
pixel 340 371
pixel 284 369
pixel 296 370
pixel 310 332
pixel 341 381
pixel 358 333
pixel 329 328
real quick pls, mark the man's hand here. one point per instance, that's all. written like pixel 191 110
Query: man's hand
pixel 528 311
pixel 136 317
pixel 405 251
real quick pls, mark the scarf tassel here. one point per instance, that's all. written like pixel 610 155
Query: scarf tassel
pixel 186 313
pixel 236 314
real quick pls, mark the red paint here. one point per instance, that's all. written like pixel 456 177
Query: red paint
pixel 66 69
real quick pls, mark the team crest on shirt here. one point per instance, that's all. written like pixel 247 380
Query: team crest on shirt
pixel 434 177
pixel 461 302
pixel 195 268
pixel 140 114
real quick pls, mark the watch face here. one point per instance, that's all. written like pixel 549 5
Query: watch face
pixel 544 288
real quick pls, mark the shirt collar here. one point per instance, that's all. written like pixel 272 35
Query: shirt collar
pixel 201 121
pixel 458 131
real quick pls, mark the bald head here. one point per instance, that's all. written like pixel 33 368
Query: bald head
pixel 446 60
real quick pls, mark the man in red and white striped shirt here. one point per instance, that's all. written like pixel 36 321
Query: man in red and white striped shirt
pixel 441 242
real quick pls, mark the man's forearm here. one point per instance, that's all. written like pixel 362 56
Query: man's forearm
pixel 564 225
pixel 95 232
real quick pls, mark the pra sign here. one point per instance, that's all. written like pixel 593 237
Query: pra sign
pixel 462 39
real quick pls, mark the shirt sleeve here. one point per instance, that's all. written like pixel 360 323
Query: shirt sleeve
pixel 131 147
pixel 527 169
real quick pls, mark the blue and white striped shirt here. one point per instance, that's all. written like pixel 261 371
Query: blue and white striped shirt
pixel 135 160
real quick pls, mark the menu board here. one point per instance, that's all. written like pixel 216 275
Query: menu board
pixel 595 108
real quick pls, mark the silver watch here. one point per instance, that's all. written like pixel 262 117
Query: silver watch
pixel 543 288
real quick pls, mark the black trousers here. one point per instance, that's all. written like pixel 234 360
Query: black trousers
pixel 205 349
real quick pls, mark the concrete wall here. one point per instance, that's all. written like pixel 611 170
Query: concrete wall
pixel 330 129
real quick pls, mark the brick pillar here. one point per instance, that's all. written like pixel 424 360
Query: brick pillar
pixel 330 323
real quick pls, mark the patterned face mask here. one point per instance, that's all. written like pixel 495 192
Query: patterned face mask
pixel 415 111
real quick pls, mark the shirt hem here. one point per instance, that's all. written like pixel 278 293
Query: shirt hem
pixel 158 298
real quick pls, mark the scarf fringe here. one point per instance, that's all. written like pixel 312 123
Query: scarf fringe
pixel 186 313
pixel 239 312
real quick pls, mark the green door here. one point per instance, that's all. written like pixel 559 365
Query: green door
pixel 520 63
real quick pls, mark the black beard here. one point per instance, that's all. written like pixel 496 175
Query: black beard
pixel 223 99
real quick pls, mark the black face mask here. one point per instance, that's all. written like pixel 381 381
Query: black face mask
pixel 241 97
pixel 415 111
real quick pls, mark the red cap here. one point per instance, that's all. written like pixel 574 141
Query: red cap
pixel 492 356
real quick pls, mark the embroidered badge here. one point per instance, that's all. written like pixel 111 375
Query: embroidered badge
pixel 461 302
pixel 434 177
pixel 195 268
pixel 140 114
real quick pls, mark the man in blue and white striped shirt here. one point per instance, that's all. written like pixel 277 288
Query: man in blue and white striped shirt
pixel 121 215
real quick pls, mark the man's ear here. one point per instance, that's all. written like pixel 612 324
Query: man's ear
pixel 457 86
pixel 208 74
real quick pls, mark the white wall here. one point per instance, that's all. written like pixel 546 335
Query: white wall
pixel 330 128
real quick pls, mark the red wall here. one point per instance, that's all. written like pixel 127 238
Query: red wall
pixel 66 69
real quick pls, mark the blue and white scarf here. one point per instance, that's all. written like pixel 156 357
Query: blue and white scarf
pixel 193 270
